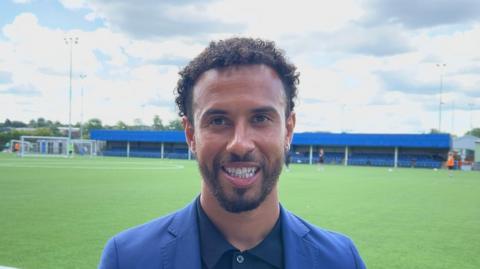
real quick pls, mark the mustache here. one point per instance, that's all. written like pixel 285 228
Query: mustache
pixel 225 158
pixel 232 157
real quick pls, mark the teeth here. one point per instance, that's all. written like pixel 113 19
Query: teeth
pixel 241 172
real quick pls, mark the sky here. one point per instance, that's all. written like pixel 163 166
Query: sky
pixel 369 66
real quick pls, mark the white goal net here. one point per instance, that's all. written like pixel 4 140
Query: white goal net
pixel 84 147
pixel 47 146
pixel 15 145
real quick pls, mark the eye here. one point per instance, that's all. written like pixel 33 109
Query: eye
pixel 260 118
pixel 219 121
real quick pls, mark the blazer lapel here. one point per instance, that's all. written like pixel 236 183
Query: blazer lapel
pixel 183 251
pixel 298 252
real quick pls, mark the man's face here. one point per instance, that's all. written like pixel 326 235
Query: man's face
pixel 240 133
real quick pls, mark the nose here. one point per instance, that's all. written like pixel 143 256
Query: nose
pixel 241 142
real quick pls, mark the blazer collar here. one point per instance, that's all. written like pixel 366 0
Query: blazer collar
pixel 183 251
pixel 299 251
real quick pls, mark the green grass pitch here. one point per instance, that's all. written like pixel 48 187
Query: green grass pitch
pixel 59 213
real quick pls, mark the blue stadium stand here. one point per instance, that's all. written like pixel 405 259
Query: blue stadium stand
pixel 413 150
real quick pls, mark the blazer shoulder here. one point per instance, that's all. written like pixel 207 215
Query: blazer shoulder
pixel 330 246
pixel 154 230
pixel 315 235
pixel 322 236
pixel 144 243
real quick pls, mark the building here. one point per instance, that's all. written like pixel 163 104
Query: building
pixel 476 165
pixel 465 147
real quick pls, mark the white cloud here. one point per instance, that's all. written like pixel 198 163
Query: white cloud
pixel 274 19
pixel 176 48
pixel 355 76
pixel 421 14
pixel 73 4
pixel 22 1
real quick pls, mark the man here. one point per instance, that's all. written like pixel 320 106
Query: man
pixel 236 103
pixel 321 159
pixel 450 163
pixel 16 147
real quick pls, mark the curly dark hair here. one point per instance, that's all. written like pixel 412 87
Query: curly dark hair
pixel 234 52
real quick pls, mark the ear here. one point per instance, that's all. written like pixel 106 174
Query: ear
pixel 290 126
pixel 189 133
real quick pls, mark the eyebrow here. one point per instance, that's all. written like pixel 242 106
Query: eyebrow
pixel 214 111
pixel 265 109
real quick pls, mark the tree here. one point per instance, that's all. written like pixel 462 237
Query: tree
pixel 92 124
pixel 175 125
pixel 138 124
pixel 43 132
pixel 14 124
pixel 18 124
pixel 41 122
pixel 121 125
pixel 157 123
pixel 435 131
pixel 474 132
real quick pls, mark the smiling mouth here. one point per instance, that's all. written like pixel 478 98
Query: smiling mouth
pixel 241 172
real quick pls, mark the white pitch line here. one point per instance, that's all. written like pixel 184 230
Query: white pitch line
pixel 91 164
pixel 176 167
pixel 67 161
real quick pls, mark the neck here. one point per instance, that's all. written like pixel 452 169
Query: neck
pixel 243 230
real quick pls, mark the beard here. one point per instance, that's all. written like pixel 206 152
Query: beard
pixel 238 202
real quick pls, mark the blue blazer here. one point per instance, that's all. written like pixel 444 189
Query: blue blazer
pixel 172 242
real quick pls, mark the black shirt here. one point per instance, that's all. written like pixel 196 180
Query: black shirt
pixel 216 252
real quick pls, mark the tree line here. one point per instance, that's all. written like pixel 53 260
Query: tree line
pixel 13 129
pixel 473 132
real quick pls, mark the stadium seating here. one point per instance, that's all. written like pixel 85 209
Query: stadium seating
pixel 420 161
pixel 147 153
pixel 382 159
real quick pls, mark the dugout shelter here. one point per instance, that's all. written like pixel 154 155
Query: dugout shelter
pixel 393 150
pixel 135 143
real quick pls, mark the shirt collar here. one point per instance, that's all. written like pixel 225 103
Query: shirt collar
pixel 271 248
pixel 213 245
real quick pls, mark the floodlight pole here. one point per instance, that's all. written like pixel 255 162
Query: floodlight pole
pixel 470 106
pixel 440 103
pixel 70 41
pixel 453 116
pixel 82 76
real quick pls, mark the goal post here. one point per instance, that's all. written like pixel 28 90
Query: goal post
pixel 84 147
pixel 43 146
pixel 51 146
pixel 15 145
